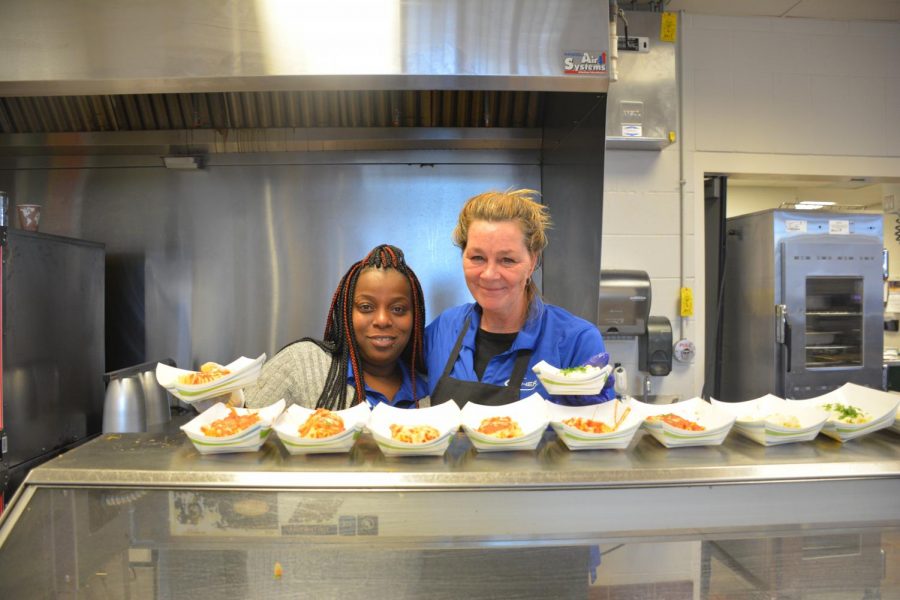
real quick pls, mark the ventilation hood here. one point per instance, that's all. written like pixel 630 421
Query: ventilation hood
pixel 302 67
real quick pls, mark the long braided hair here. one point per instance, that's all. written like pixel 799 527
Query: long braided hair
pixel 340 337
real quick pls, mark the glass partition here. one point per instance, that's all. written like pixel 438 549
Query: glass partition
pixel 834 322
pixel 173 544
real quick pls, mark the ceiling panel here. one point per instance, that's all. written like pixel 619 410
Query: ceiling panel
pixel 836 10
pixel 841 10
pixel 756 8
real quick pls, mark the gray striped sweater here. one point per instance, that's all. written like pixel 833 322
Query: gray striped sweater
pixel 297 374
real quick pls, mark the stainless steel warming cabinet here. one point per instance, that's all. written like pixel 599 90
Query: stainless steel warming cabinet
pixel 803 304
pixel 146 516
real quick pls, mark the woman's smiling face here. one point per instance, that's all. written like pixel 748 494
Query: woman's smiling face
pixel 382 317
pixel 497 265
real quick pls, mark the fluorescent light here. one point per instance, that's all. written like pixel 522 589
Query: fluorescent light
pixel 812 204
pixel 816 203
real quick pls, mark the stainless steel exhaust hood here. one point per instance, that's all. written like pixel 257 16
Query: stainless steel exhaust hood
pixel 107 65
pixel 95 92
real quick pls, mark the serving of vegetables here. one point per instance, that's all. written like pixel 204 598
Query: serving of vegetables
pixel 847 413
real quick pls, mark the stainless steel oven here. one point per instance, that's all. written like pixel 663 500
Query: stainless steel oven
pixel 802 304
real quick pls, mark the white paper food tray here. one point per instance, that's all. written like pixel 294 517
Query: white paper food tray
pixel 288 425
pixel 246 440
pixel 607 412
pixel 443 417
pixel 717 423
pixel 530 413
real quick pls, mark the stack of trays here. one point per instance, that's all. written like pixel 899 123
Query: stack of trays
pixel 896 426
pixel 244 372
pixel 771 420
pixel 580 381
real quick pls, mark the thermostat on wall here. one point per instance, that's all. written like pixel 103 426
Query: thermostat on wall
pixel 684 351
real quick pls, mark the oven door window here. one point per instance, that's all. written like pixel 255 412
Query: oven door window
pixel 834 322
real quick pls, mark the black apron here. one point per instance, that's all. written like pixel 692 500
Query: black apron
pixel 450 388
pixel 533 573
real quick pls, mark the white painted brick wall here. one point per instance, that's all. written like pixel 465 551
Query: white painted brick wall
pixel 768 87
pixel 793 85
pixel 640 171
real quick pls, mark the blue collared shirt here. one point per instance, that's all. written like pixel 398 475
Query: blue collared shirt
pixel 552 334
pixel 404 396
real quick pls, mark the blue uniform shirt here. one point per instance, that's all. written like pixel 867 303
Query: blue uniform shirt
pixel 404 396
pixel 552 334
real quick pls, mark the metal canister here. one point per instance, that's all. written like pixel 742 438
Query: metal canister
pixel 124 409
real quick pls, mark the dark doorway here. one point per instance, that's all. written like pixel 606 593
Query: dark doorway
pixel 714 203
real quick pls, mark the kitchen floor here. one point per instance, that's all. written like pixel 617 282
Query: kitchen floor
pixel 820 567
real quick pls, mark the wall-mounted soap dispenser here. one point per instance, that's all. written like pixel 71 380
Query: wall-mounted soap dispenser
pixel 655 347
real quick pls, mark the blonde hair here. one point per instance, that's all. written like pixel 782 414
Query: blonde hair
pixel 519 206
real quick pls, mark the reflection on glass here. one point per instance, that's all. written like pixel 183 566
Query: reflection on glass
pixel 192 544
pixel 834 320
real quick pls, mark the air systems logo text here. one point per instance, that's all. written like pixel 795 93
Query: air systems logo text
pixel 584 63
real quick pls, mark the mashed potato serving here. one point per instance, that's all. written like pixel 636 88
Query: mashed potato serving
pixel 786 421
pixel 846 413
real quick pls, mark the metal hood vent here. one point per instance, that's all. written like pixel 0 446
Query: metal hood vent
pixel 108 67
pixel 264 110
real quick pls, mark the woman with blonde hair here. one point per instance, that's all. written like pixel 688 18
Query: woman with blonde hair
pixel 484 351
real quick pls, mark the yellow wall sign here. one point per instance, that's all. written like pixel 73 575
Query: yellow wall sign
pixel 687 302
pixel 668 27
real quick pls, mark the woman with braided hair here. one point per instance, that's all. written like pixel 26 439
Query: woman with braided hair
pixel 372 349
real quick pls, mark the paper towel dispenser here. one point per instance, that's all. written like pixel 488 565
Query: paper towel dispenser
pixel 624 306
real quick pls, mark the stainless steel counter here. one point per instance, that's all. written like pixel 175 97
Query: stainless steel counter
pixel 169 459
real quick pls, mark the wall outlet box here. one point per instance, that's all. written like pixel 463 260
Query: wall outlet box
pixel 634 44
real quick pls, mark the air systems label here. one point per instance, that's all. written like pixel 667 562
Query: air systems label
pixel 584 63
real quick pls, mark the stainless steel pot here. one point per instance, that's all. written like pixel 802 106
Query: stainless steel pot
pixel 156 399
pixel 124 407
pixel 134 399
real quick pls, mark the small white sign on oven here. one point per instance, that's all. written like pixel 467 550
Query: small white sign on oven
pixel 839 227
